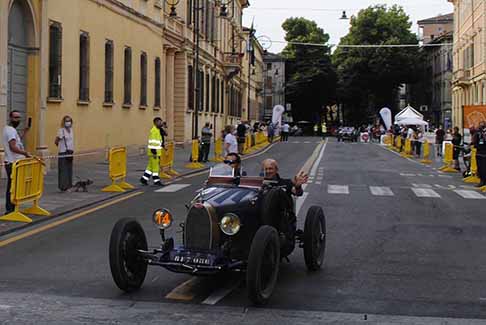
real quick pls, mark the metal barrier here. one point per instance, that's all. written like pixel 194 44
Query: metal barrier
pixel 195 156
pixel 448 159
pixel 27 186
pixel 118 170
pixel 426 160
pixel 473 179
pixel 218 151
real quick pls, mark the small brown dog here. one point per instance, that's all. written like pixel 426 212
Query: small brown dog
pixel 82 184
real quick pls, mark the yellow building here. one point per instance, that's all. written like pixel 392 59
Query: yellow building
pixel 113 65
pixel 469 61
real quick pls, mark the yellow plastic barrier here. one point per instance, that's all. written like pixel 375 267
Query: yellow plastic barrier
pixel 247 148
pixel 473 179
pixel 171 153
pixel 448 159
pixel 388 140
pixel 118 170
pixel 426 160
pixel 194 156
pixel 27 186
pixel 164 164
pixel 218 151
pixel 407 152
pixel 398 144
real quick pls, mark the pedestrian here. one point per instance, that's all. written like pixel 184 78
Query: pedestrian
pixel 479 141
pixel 14 150
pixel 270 132
pixel 230 142
pixel 65 143
pixel 439 140
pixel 206 136
pixel 155 145
pixel 457 143
pixel 285 132
pixel 316 128
pixel 419 140
pixel 241 137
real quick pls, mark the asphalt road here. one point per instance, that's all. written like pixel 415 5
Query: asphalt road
pixel 403 239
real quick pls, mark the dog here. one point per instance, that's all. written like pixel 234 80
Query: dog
pixel 81 184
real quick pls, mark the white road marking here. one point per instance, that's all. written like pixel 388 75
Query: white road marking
pixel 421 185
pixel 470 194
pixel 443 187
pixel 338 189
pixel 318 183
pixel 220 293
pixel 307 142
pixel 299 202
pixel 407 175
pixel 424 192
pixel 445 176
pixel 381 191
pixel 172 188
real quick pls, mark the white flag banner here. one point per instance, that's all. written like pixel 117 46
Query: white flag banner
pixel 386 115
pixel 278 111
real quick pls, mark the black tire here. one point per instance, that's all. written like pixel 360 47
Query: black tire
pixel 128 268
pixel 314 238
pixel 263 265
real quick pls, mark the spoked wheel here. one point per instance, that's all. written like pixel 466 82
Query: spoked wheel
pixel 263 265
pixel 128 268
pixel 314 238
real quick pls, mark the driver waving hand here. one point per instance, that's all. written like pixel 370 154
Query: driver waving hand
pixel 294 186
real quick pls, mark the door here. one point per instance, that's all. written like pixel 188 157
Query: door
pixel 17 82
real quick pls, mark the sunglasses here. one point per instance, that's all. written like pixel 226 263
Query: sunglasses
pixel 230 162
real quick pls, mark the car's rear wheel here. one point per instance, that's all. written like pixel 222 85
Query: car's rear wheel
pixel 314 238
pixel 128 268
pixel 263 265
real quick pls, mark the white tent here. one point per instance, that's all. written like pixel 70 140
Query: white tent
pixel 412 121
pixel 410 116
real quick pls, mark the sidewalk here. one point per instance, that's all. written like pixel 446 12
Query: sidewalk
pixel 96 169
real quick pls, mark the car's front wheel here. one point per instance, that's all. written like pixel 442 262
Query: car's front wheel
pixel 263 265
pixel 128 268
pixel 314 238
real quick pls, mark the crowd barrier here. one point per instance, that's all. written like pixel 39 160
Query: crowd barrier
pixel 167 162
pixel 218 151
pixel 407 151
pixel 27 186
pixel 426 158
pixel 448 159
pixel 195 164
pixel 473 179
pixel 117 158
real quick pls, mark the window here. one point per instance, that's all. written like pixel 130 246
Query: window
pixel 269 66
pixel 157 83
pixel 127 77
pixel 143 79
pixel 207 92
pixel 190 88
pixel 200 90
pixel 84 67
pixel 55 60
pixel 222 97
pixel 109 71
pixel 213 94
pixel 216 98
pixel 189 12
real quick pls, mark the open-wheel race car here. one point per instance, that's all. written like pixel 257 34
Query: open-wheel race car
pixel 234 224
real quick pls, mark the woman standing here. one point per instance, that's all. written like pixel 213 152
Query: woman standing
pixel 230 142
pixel 65 143
pixel 456 141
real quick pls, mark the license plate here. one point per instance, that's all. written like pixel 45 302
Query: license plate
pixel 200 260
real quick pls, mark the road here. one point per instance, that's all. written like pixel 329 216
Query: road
pixel 403 239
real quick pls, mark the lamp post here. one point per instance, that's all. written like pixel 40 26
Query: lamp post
pixel 172 4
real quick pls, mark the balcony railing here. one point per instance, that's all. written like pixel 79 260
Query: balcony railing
pixel 462 77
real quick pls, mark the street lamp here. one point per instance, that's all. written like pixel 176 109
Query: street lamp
pixel 224 7
pixel 172 4
pixel 344 16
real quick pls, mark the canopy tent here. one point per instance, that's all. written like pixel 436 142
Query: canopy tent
pixel 410 116
pixel 412 121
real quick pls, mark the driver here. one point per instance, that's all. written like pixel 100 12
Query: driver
pixel 294 186
pixel 234 161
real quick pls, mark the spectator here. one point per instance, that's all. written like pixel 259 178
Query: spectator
pixel 457 142
pixel 439 140
pixel 65 143
pixel 419 140
pixel 230 142
pixel 241 137
pixel 206 136
pixel 14 150
pixel 270 132
pixel 479 141
pixel 285 132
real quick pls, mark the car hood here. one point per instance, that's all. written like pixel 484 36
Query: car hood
pixel 228 196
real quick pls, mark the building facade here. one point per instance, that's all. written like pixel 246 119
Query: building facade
pixel 469 61
pixel 437 105
pixel 274 87
pixel 114 65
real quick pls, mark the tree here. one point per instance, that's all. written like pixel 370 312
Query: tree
pixel 369 78
pixel 311 79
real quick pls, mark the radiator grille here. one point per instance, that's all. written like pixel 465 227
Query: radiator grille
pixel 198 229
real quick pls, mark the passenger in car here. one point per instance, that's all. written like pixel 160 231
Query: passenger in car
pixel 294 186
pixel 234 160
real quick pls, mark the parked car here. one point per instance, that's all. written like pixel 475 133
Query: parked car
pixel 348 133
pixel 234 224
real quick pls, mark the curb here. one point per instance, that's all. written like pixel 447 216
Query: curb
pixel 114 196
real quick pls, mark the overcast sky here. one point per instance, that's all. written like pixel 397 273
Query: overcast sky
pixel 270 14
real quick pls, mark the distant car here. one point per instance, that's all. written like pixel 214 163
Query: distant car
pixel 237 224
pixel 348 133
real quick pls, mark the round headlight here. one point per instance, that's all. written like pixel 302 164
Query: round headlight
pixel 230 224
pixel 162 218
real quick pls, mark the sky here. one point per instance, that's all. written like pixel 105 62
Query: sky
pixel 268 15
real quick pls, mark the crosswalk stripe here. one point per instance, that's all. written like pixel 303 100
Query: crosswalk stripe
pixel 338 189
pixel 421 185
pixel 425 192
pixel 172 188
pixel 381 191
pixel 470 194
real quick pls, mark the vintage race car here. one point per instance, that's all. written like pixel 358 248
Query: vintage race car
pixel 234 224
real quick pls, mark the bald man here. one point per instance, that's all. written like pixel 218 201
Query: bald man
pixel 270 168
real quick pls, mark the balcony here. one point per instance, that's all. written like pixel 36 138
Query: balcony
pixel 462 78
pixel 232 64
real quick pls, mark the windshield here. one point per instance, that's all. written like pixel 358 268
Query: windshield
pixel 222 170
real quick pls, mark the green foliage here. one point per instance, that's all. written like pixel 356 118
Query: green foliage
pixel 368 78
pixel 311 79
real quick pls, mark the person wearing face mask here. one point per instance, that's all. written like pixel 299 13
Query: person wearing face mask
pixel 14 150
pixel 65 142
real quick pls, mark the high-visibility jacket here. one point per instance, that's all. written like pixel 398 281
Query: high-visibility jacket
pixel 155 141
